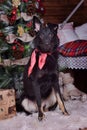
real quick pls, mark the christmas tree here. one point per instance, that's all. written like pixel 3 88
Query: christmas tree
pixel 16 36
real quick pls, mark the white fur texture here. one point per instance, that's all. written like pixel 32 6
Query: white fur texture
pixel 29 105
pixel 54 120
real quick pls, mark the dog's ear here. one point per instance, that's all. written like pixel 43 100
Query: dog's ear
pixel 36 23
pixel 52 26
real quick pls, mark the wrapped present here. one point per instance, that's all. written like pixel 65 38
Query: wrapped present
pixel 7 103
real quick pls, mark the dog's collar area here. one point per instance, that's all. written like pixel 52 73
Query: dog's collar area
pixel 48 53
pixel 41 61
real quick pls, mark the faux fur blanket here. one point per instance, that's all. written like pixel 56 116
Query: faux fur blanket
pixel 54 120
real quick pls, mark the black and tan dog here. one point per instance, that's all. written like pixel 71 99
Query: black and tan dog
pixel 41 85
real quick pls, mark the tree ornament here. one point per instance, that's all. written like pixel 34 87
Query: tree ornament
pixel 1 34
pixel 13 47
pixel 29 24
pixel 14 11
pixel 21 48
pixel 20 31
pixel 17 49
pixel 16 3
pixel 12 19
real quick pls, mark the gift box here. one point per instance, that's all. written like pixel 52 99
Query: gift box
pixel 7 103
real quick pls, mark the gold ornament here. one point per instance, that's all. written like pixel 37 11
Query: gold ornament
pixel 20 30
pixel 16 3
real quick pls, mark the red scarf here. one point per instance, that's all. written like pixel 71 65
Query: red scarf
pixel 41 62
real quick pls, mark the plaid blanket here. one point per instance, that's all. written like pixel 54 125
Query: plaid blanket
pixel 74 48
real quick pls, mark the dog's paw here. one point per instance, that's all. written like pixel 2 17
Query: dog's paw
pixel 41 116
pixel 66 113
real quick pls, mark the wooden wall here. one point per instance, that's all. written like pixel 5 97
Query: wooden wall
pixel 58 10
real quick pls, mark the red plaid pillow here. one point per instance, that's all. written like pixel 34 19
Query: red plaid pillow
pixel 75 48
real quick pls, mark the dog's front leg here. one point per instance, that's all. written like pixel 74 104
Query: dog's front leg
pixel 38 100
pixel 60 99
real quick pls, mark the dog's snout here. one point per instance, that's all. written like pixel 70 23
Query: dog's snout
pixel 47 42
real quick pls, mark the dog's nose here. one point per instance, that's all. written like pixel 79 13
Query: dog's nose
pixel 47 43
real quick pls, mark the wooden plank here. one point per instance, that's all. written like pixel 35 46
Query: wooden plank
pixel 58 10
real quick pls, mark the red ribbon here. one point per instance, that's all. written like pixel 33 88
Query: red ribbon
pixel 41 62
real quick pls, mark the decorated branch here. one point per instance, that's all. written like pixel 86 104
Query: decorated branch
pixel 16 24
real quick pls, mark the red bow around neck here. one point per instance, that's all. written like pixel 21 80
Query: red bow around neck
pixel 41 62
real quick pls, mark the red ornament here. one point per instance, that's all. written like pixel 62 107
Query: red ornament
pixel 18 46
pixel 14 11
pixel 13 47
pixel 12 19
pixel 18 49
pixel 29 24
pixel 1 34
pixel 21 48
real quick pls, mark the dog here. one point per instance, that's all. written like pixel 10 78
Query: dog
pixel 41 87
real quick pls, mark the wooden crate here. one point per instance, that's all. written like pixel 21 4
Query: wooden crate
pixel 7 103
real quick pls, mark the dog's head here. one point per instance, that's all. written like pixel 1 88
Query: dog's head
pixel 46 39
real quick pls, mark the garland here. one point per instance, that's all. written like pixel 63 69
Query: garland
pixel 8 62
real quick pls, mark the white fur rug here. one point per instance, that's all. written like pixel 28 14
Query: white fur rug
pixel 53 120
